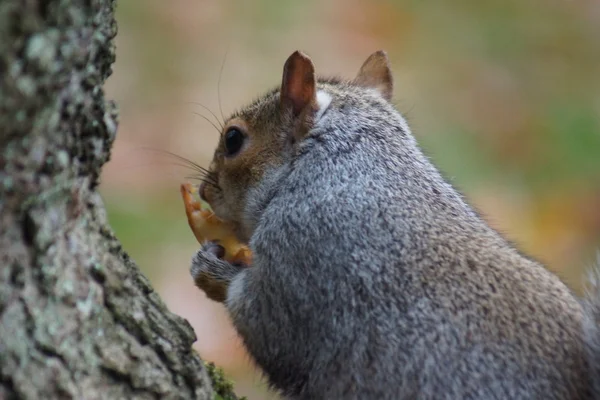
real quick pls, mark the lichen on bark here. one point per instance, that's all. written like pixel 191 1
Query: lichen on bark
pixel 77 318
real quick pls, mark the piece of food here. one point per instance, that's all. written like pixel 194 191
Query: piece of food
pixel 207 226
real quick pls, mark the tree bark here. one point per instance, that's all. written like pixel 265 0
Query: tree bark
pixel 77 319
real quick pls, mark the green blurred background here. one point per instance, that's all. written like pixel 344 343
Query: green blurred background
pixel 504 96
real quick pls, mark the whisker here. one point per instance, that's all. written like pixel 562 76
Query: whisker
pixel 187 162
pixel 203 177
pixel 219 83
pixel 202 174
pixel 181 158
pixel 208 120
pixel 197 178
pixel 209 110
pixel 211 184
pixel 208 174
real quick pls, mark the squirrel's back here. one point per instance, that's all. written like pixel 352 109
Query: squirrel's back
pixel 371 277
pixel 434 303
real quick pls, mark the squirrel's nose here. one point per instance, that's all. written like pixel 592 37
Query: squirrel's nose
pixel 202 191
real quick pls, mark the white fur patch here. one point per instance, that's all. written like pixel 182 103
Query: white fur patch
pixel 235 292
pixel 323 100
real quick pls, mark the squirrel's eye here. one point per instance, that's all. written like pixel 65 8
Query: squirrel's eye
pixel 234 139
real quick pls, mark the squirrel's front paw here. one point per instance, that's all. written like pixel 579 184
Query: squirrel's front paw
pixel 211 273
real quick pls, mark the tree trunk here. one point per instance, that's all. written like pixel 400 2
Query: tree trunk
pixel 77 319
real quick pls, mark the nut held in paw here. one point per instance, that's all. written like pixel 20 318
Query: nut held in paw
pixel 206 226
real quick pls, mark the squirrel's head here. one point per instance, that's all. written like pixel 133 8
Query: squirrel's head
pixel 263 135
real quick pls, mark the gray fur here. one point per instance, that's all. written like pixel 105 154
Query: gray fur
pixel 591 325
pixel 373 279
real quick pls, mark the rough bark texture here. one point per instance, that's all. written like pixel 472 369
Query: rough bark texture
pixel 77 319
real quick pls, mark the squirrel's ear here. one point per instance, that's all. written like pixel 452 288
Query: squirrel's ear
pixel 298 88
pixel 376 73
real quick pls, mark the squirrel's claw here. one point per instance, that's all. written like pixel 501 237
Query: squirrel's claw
pixel 211 273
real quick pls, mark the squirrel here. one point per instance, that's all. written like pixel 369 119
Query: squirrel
pixel 371 276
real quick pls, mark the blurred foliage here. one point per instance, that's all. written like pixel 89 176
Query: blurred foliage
pixel 138 224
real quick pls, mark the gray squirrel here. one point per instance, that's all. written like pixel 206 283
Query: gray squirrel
pixel 371 277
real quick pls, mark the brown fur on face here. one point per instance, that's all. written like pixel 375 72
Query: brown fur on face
pixel 265 144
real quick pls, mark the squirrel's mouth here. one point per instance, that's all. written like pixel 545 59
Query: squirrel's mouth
pixel 202 192
pixel 222 211
pixel 206 192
